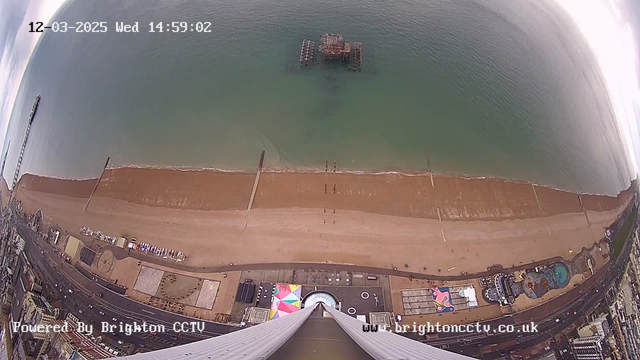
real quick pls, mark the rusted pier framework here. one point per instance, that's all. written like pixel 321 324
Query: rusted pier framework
pixel 307 53
pixel 355 56
pixel 333 47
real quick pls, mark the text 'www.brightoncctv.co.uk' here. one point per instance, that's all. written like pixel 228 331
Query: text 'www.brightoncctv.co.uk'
pixel 430 328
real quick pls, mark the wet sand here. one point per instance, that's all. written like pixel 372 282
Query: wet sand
pixel 446 197
pixel 71 188
pixel 387 221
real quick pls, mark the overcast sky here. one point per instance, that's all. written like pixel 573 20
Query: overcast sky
pixel 612 28
pixel 17 45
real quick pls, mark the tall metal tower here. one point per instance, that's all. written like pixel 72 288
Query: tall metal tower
pixel 24 143
pixel 4 161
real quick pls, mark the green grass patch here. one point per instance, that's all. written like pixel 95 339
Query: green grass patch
pixel 623 234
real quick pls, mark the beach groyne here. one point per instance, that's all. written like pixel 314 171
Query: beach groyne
pixel 447 198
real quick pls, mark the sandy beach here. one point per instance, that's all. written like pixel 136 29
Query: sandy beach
pixel 387 221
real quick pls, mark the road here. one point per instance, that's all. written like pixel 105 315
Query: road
pixel 85 304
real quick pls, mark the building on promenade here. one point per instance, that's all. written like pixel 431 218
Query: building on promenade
pixel 588 348
pixel 36 311
pixel 314 331
pixel 599 326
pixel 75 345
pixel 65 344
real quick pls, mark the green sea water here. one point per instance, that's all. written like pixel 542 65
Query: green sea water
pixel 485 88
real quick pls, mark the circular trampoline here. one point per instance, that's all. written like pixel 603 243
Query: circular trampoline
pixel 562 274
pixel 106 261
pixel 320 297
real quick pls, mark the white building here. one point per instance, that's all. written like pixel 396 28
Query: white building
pixel 598 327
pixel 588 348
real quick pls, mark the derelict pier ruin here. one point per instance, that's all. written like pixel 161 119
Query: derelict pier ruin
pixel 332 47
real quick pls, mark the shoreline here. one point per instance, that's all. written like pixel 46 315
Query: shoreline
pixel 302 170
pixel 428 196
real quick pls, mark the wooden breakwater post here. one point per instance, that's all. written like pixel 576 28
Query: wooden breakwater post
pixel 255 185
pixel 97 183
